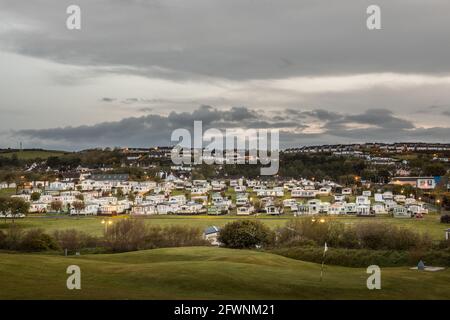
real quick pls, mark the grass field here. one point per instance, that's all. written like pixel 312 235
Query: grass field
pixel 93 225
pixel 205 273
pixel 32 154
pixel 7 192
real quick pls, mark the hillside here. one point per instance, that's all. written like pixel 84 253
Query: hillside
pixel 28 154
pixel 205 273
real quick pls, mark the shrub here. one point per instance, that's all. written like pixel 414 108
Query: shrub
pixel 375 236
pixel 13 238
pixel 300 230
pixel 245 234
pixel 174 236
pixel 2 239
pixel 384 236
pixel 346 257
pixel 37 240
pixel 74 240
pixel 445 218
pixel 126 235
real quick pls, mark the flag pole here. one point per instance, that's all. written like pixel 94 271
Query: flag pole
pixel 325 249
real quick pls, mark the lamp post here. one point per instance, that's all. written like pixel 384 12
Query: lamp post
pixel 438 201
pixel 106 223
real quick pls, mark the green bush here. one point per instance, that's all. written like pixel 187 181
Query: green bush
pixel 174 236
pixel 364 258
pixel 133 234
pixel 13 238
pixel 371 235
pixel 245 234
pixel 346 257
pixel 37 240
pixel 74 240
pixel 2 239
pixel 126 235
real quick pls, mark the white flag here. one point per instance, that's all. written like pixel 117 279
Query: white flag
pixel 325 248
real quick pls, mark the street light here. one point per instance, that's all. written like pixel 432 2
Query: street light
pixel 106 223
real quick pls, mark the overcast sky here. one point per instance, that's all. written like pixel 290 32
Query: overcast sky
pixel 139 69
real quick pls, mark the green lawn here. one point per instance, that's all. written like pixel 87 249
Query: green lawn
pixel 205 273
pixel 94 226
pixel 7 192
pixel 33 154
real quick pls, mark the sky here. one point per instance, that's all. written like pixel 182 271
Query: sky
pixel 137 70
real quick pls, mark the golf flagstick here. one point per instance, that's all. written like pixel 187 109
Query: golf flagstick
pixel 325 249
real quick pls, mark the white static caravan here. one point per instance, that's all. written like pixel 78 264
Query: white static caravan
pixel 350 208
pixel 271 210
pixel 337 208
pixel 144 209
pixel 388 195
pixel 417 209
pixel 401 212
pixel 316 206
pixel 301 193
pixel 363 210
pixel 367 193
pixel 247 210
pixel 400 198
pixel 347 191
pixel 378 197
pixel 289 203
pixel 38 207
pixel 324 191
pixel 379 208
pixel 240 188
pixel 362 200
pixel 242 200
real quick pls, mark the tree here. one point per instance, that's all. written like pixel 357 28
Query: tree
pixel 79 197
pixel 435 169
pixel 35 196
pixel 56 206
pixel 78 206
pixel 18 206
pixel 36 240
pixel 119 193
pixel 4 206
pixel 243 234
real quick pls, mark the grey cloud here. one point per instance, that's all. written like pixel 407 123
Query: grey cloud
pixel 152 129
pixel 380 117
pixel 236 39
pixel 106 99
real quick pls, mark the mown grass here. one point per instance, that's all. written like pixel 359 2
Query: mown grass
pixel 7 192
pixel 33 154
pixel 205 273
pixel 429 224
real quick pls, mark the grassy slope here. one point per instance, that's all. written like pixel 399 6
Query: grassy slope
pixel 7 192
pixel 93 225
pixel 205 273
pixel 33 154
